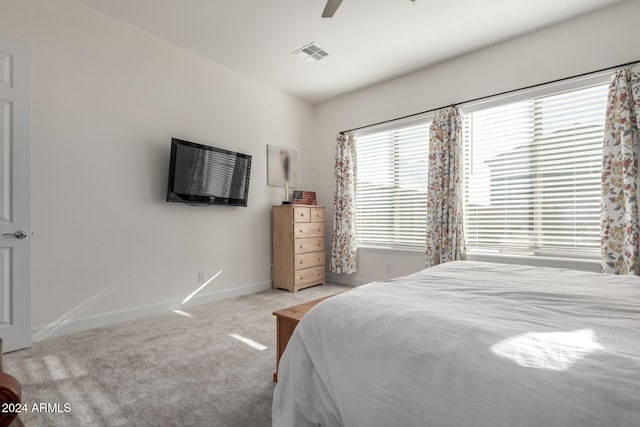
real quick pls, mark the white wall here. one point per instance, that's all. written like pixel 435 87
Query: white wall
pixel 598 40
pixel 107 98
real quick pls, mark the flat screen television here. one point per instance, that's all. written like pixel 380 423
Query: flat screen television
pixel 204 175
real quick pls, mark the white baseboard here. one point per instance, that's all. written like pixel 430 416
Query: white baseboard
pixel 342 279
pixel 70 326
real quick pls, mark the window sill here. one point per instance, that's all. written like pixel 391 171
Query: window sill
pixel 586 264
pixel 390 249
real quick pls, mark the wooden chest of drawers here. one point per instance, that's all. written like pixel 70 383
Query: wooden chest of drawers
pixel 298 247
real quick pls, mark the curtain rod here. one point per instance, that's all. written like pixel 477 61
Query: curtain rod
pixel 491 96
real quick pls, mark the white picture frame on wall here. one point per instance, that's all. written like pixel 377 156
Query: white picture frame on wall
pixel 282 167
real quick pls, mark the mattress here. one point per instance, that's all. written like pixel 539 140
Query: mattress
pixel 468 344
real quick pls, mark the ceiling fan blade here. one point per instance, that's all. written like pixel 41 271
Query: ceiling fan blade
pixel 330 8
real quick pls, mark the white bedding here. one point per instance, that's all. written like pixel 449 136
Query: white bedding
pixel 468 344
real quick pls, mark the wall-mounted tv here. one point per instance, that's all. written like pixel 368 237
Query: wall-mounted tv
pixel 204 175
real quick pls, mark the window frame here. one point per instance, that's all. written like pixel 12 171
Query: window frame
pixel 421 119
pixel 546 256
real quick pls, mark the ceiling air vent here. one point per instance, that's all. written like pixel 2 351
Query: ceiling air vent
pixel 310 53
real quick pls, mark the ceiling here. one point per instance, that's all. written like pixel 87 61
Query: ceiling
pixel 368 41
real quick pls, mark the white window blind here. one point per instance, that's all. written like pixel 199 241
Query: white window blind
pixel 532 174
pixel 391 198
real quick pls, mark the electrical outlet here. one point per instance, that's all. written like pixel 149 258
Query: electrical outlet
pixel 200 277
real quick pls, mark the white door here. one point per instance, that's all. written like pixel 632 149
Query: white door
pixel 15 194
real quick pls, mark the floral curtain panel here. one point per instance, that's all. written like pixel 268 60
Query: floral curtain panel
pixel 620 228
pixel 445 230
pixel 344 247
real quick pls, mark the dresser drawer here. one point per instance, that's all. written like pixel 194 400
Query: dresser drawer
pixel 317 214
pixel 315 274
pixel 301 214
pixel 311 229
pixel 313 244
pixel 313 259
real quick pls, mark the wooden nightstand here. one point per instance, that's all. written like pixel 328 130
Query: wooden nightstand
pixel 286 321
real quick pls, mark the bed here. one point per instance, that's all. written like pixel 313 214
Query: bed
pixel 468 344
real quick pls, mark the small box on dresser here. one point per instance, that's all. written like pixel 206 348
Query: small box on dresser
pixel 298 247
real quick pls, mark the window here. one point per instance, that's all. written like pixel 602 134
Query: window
pixel 532 174
pixel 392 187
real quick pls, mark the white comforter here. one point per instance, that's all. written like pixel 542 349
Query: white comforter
pixel 468 344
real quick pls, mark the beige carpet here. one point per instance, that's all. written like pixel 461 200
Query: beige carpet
pixel 164 370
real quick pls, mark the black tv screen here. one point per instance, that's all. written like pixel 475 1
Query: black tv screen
pixel 204 175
